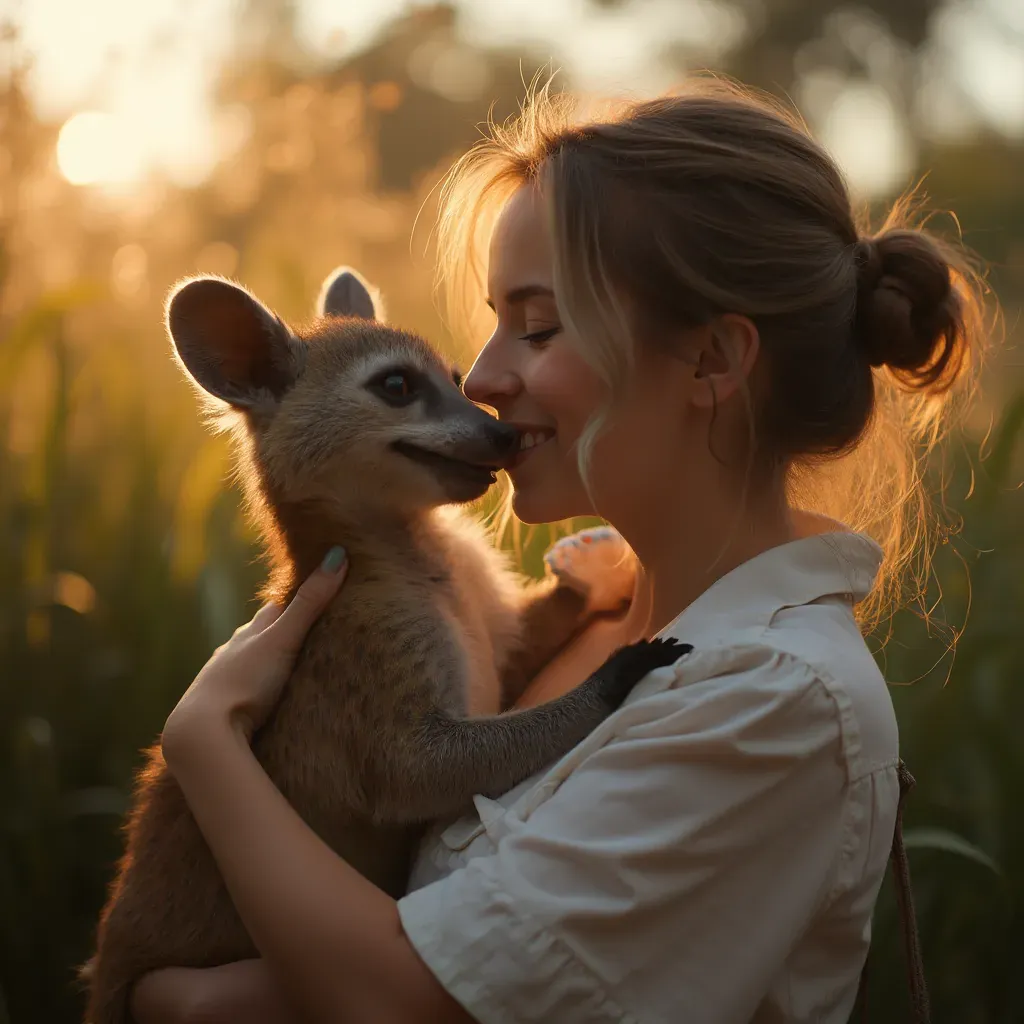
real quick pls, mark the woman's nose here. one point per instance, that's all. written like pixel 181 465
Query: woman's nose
pixel 490 377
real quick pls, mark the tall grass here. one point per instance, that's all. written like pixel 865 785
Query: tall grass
pixel 122 560
pixel 960 726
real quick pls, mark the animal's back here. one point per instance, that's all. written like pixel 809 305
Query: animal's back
pixel 168 905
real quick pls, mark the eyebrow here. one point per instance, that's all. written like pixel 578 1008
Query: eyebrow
pixel 524 292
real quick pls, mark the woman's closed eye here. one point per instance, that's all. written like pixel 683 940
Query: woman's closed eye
pixel 539 337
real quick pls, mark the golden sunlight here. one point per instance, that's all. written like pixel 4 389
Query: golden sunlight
pixel 94 148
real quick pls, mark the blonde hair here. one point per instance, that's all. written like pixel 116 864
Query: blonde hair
pixel 716 199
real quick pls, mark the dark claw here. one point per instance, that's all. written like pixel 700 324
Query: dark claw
pixel 646 655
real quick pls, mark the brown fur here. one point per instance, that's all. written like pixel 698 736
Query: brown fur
pixel 371 738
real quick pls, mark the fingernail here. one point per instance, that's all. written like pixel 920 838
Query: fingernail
pixel 334 559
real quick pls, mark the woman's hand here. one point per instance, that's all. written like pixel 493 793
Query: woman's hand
pixel 330 941
pixel 241 683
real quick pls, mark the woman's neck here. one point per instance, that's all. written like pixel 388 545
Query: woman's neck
pixel 681 557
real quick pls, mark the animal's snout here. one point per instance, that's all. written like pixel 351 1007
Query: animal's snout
pixel 503 437
pixel 490 443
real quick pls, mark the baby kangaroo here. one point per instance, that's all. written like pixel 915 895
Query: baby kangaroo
pixel 356 433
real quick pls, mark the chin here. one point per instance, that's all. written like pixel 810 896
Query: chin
pixel 536 505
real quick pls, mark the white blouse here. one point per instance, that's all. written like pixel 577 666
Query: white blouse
pixel 710 854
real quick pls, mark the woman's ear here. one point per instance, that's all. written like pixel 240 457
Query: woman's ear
pixel 722 356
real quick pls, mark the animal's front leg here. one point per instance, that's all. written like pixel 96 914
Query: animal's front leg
pixel 442 761
pixel 591 573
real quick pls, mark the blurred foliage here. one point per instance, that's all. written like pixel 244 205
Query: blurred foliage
pixel 123 557
pixel 959 711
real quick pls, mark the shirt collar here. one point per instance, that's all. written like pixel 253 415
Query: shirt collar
pixel 838 564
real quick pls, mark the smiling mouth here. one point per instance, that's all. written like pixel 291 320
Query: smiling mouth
pixel 529 441
pixel 468 472
pixel 534 438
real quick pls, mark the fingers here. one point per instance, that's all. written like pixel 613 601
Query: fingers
pixel 268 614
pixel 292 625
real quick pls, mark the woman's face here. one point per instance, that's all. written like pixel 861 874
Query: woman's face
pixel 532 373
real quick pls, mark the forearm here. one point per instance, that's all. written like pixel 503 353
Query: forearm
pixel 333 939
pixel 246 991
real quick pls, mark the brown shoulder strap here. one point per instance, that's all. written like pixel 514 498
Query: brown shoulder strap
pixel 920 1006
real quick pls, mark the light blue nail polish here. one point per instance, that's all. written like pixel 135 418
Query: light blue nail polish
pixel 334 559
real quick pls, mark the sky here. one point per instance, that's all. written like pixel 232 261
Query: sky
pixel 140 70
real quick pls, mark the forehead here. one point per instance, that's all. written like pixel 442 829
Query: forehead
pixel 349 344
pixel 520 245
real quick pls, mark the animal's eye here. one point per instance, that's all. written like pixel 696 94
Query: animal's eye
pixel 396 385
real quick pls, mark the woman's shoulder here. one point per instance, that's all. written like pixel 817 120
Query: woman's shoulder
pixel 771 690
pixel 775 644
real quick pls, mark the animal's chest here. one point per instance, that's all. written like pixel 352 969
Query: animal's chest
pixel 466 615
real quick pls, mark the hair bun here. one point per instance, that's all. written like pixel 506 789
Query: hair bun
pixel 910 316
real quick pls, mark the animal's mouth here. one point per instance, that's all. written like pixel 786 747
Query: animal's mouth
pixel 472 473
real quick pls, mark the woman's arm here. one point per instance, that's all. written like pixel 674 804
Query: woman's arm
pixel 243 991
pixel 333 940
pixel 676 866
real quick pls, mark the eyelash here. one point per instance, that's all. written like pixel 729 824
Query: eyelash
pixel 539 337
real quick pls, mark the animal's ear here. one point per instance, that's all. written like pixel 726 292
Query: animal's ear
pixel 346 292
pixel 231 345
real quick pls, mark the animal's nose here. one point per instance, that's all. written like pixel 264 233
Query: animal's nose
pixel 503 436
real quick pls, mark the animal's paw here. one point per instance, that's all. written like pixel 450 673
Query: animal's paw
pixel 645 656
pixel 596 563
pixel 628 665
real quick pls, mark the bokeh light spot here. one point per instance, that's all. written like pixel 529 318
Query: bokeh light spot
pixel 94 148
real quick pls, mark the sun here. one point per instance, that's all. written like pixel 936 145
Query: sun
pixel 95 148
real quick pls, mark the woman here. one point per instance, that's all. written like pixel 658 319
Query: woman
pixel 703 348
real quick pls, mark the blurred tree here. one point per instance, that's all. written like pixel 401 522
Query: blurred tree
pixel 982 180
pixel 427 91
pixel 797 48
pixel 779 32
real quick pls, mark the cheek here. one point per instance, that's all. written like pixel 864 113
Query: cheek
pixel 642 440
pixel 565 392
pixel 566 389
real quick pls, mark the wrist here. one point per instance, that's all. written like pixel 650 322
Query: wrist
pixel 188 737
